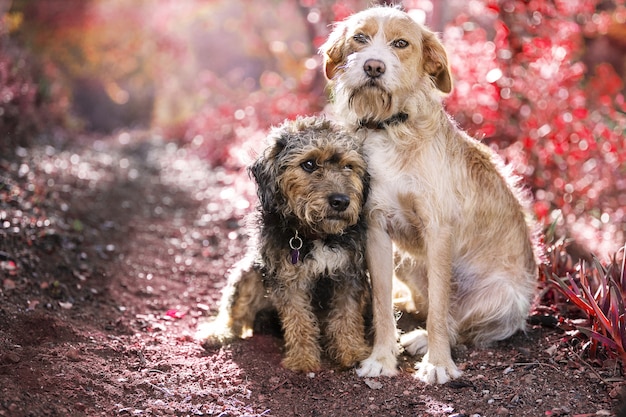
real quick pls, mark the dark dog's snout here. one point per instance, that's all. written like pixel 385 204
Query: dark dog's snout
pixel 374 68
pixel 339 202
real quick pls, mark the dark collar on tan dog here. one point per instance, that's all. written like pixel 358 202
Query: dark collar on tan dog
pixel 393 120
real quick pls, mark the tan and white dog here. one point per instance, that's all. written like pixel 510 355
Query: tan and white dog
pixel 463 235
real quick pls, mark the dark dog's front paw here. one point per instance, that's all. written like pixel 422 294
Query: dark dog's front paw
pixel 302 362
pixel 215 341
pixel 352 355
pixel 216 333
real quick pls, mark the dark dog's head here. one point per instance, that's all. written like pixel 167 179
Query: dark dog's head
pixel 313 175
pixel 378 59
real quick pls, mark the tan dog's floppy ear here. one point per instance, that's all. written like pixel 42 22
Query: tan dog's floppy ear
pixel 436 62
pixel 332 50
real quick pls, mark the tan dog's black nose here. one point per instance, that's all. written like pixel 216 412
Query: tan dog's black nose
pixel 339 202
pixel 374 68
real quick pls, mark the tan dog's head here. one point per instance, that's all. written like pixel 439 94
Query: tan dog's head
pixel 379 59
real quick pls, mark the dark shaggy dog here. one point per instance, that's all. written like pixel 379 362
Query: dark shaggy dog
pixel 310 264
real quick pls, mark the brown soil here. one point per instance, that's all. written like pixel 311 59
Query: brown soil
pixel 112 253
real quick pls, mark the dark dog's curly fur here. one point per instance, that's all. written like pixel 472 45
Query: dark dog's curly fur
pixel 312 183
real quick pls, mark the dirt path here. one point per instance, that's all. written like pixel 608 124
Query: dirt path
pixel 113 252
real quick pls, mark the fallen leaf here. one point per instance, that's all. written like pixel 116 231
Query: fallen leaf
pixel 372 383
pixel 552 350
pixel 9 266
pixel 8 284
pixel 175 314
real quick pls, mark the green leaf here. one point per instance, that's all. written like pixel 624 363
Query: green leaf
pixel 78 226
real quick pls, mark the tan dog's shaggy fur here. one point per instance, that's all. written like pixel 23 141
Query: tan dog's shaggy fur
pixel 310 261
pixel 454 212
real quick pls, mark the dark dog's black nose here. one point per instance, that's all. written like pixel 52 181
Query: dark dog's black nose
pixel 339 202
pixel 374 68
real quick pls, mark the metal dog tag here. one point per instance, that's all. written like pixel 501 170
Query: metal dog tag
pixel 295 256
pixel 295 243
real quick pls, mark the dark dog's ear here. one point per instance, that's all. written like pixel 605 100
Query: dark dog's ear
pixel 366 187
pixel 265 171
pixel 436 62
pixel 333 50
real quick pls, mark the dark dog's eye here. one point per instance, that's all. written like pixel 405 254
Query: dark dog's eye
pixel 400 43
pixel 309 166
pixel 360 38
pixel 348 167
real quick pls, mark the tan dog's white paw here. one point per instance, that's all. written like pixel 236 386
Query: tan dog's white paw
pixel 436 373
pixel 415 342
pixel 378 365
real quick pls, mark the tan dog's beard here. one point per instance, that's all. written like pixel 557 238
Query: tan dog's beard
pixel 370 102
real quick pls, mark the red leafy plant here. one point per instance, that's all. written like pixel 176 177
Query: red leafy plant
pixel 526 84
pixel 598 292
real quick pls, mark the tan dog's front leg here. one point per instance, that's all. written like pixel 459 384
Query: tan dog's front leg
pixel 382 360
pixel 301 332
pixel 437 365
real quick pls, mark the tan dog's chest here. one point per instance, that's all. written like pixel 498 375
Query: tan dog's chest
pixel 410 190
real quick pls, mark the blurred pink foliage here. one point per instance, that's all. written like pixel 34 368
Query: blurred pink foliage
pixel 30 99
pixel 232 123
pixel 238 110
pixel 219 73
pixel 522 85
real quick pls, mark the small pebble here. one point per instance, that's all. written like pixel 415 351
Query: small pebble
pixel 503 411
pixel 73 354
pixel 11 358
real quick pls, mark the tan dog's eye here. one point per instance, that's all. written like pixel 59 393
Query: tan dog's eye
pixel 400 43
pixel 309 166
pixel 360 38
pixel 348 167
